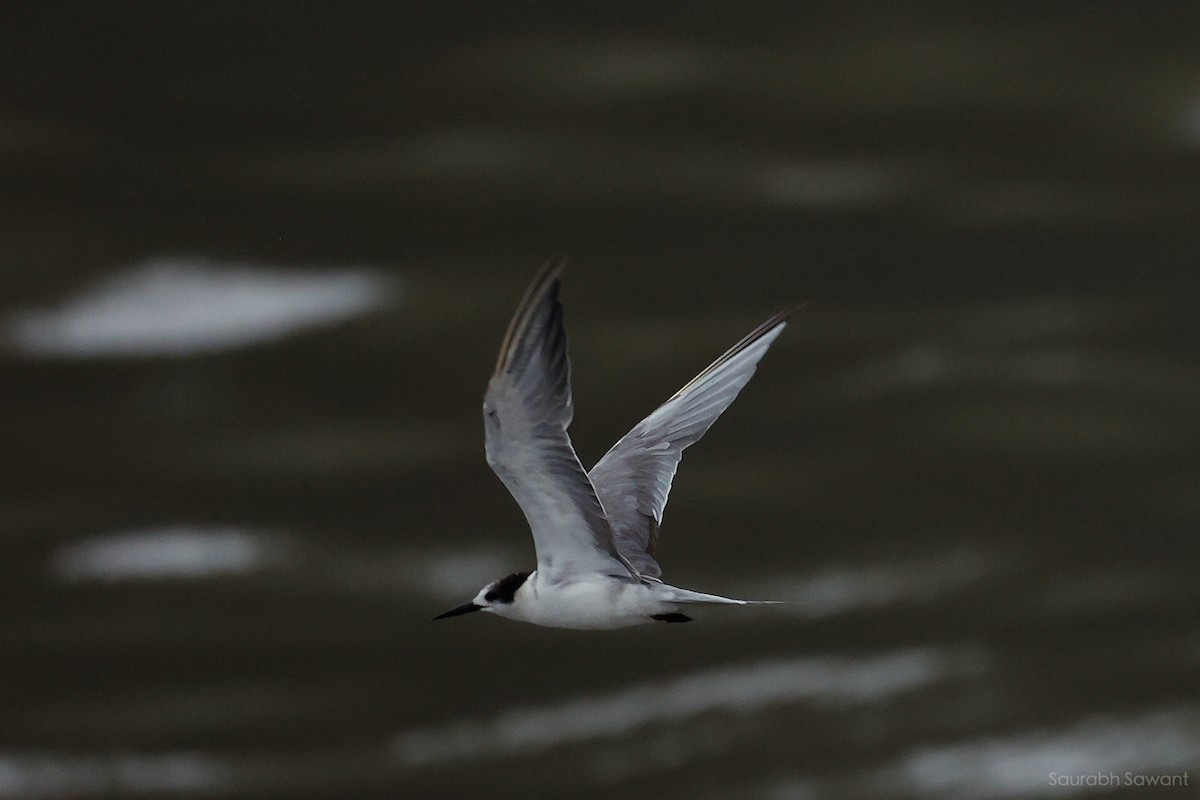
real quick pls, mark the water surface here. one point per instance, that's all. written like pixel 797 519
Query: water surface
pixel 253 272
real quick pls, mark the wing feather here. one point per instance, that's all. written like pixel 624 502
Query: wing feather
pixel 634 478
pixel 526 409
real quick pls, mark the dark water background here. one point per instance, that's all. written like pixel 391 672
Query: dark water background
pixel 255 262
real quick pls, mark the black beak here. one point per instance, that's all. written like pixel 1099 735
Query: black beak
pixel 465 608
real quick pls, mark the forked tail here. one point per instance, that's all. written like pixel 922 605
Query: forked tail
pixel 688 596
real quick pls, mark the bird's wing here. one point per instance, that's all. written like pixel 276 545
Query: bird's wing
pixel 634 477
pixel 526 411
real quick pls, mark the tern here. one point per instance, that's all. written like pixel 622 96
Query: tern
pixel 594 532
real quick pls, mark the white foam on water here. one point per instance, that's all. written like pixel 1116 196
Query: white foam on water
pixel 825 184
pixel 37 775
pixel 1097 752
pixel 176 552
pixel 169 307
pixel 740 689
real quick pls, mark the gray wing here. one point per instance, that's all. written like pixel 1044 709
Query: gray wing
pixel 634 477
pixel 526 411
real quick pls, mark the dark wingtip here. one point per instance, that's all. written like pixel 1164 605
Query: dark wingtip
pixel 771 323
pixel 544 282
pixel 782 315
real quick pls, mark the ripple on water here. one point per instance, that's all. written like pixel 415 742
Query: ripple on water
pixel 737 690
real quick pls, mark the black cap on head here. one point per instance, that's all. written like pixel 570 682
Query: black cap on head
pixel 505 588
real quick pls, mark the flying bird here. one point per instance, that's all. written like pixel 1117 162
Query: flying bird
pixel 594 532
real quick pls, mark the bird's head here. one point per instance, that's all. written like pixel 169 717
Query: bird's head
pixel 494 597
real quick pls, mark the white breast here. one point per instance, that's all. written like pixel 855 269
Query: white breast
pixel 592 602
